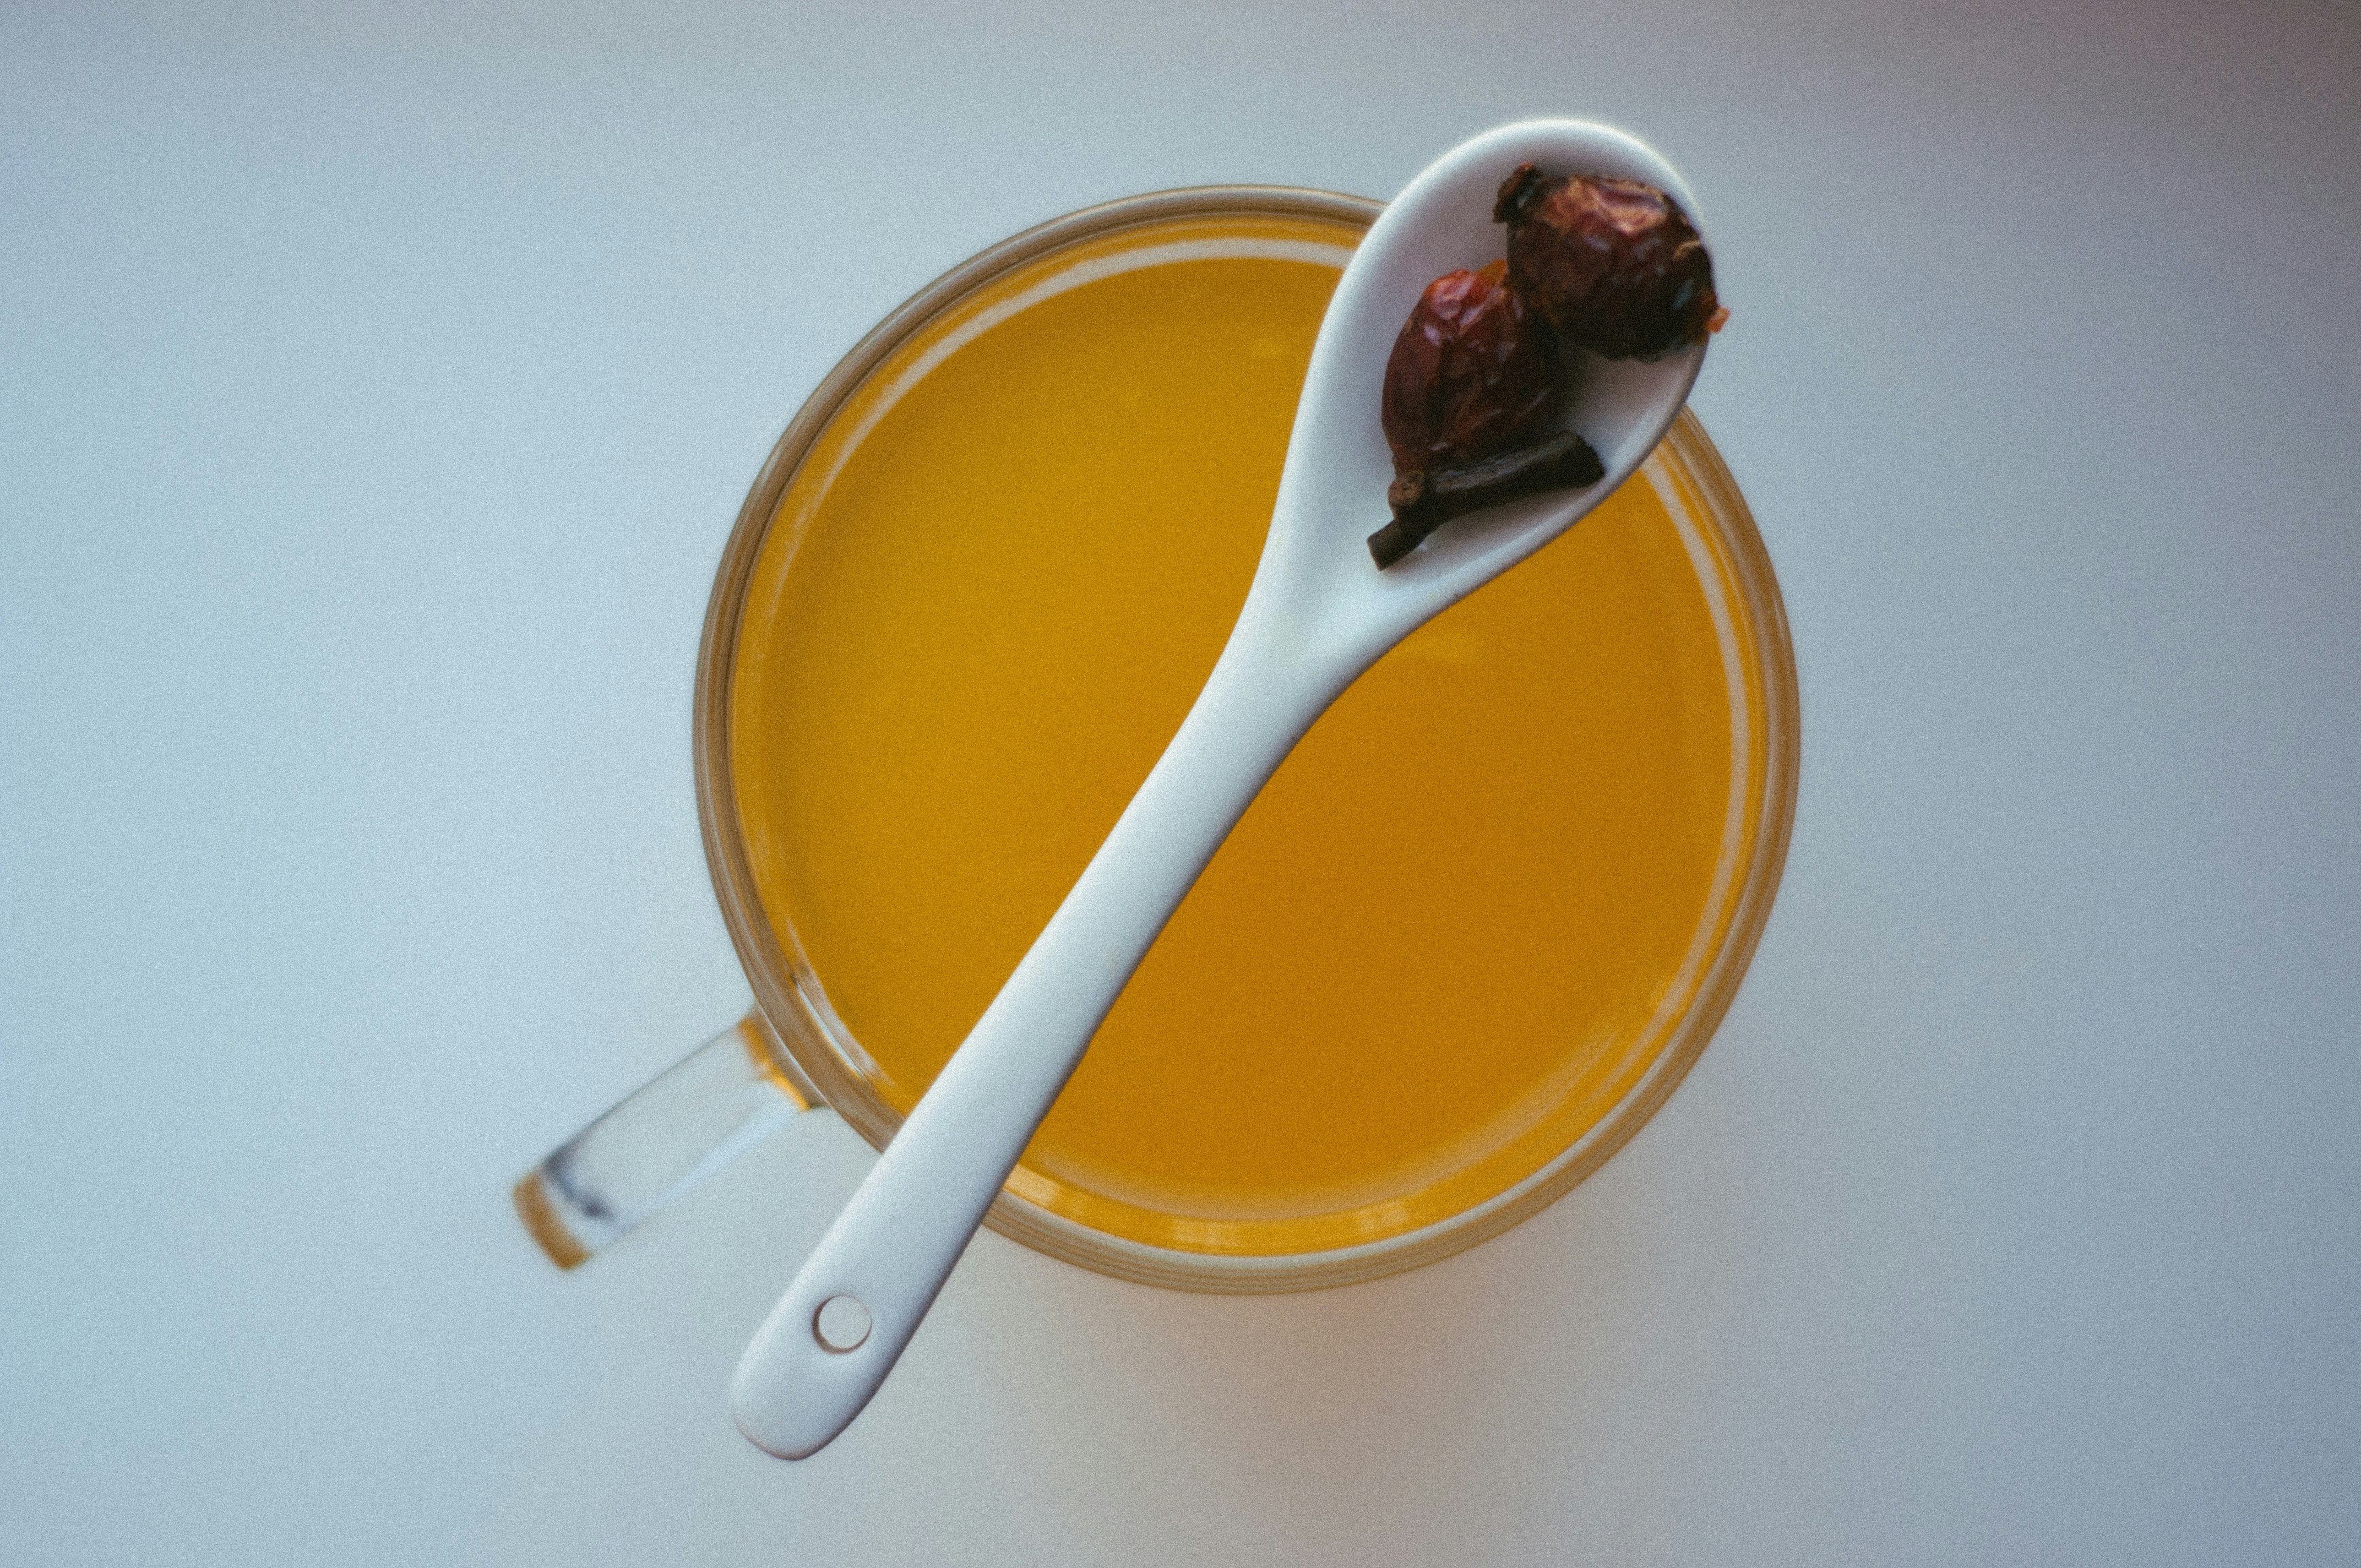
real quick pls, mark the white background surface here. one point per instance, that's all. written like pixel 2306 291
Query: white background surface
pixel 375 395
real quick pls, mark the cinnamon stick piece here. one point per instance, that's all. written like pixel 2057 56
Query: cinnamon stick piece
pixel 1425 498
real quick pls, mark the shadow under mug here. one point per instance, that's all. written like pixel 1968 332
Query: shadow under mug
pixel 790 1054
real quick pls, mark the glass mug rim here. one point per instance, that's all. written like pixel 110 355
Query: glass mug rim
pixel 796 1035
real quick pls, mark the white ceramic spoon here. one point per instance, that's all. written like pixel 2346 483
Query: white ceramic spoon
pixel 1319 613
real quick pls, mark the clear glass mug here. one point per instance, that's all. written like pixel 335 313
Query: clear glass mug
pixel 795 1053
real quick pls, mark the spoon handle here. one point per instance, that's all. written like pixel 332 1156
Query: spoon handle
pixel 807 1373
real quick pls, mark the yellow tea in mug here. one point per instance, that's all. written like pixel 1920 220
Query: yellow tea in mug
pixel 1453 932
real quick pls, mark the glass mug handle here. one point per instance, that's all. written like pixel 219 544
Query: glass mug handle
pixel 671 1132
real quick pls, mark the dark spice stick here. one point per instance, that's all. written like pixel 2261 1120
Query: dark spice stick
pixel 1424 499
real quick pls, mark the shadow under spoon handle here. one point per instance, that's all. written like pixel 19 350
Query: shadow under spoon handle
pixel 840 1326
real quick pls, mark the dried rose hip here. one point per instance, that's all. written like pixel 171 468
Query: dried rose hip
pixel 1473 373
pixel 1614 265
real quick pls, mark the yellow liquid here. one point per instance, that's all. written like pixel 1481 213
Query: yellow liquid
pixel 1452 931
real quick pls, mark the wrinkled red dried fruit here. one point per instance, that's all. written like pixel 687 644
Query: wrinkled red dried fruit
pixel 1473 373
pixel 1614 265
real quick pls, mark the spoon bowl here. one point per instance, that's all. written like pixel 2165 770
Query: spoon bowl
pixel 1319 612
pixel 1331 490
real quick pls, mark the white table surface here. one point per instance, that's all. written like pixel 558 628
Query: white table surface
pixel 376 393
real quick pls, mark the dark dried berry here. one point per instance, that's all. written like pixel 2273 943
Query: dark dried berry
pixel 1472 374
pixel 1614 265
